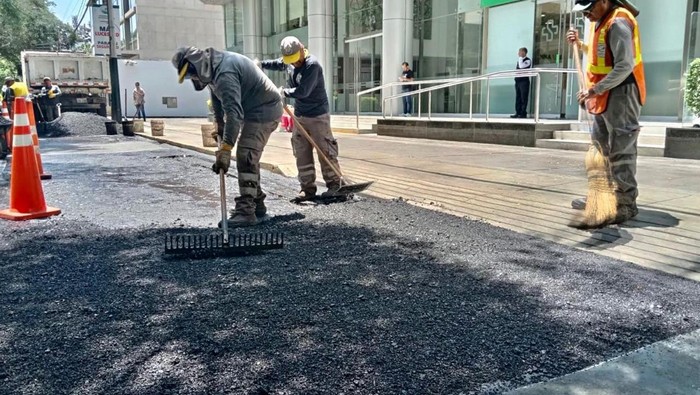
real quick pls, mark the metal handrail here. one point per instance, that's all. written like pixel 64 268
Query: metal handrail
pixel 450 82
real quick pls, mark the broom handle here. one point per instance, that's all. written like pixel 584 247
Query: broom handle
pixel 311 140
pixel 577 61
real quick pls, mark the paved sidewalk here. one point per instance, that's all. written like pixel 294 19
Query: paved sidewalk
pixel 669 367
pixel 523 189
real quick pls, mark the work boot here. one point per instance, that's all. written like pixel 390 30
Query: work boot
pixel 579 204
pixel 625 213
pixel 240 220
pixel 304 196
pixel 260 208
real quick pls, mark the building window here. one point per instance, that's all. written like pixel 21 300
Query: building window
pixel 288 15
pixel 363 16
pixel 130 29
pixel 233 14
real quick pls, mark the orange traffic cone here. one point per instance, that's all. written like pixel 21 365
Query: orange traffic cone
pixel 35 140
pixel 5 113
pixel 26 195
pixel 8 134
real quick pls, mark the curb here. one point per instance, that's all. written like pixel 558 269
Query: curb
pixel 263 165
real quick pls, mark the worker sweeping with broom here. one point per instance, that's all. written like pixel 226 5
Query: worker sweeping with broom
pixel 614 92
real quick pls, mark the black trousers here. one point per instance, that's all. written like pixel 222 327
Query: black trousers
pixel 522 94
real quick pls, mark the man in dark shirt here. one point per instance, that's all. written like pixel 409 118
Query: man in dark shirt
pixel 306 85
pixel 407 76
pixel 522 85
pixel 245 102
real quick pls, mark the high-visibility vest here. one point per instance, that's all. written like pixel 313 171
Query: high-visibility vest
pixel 600 59
pixel 20 89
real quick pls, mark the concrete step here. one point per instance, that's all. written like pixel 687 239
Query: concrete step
pixel 657 129
pixel 644 137
pixel 576 145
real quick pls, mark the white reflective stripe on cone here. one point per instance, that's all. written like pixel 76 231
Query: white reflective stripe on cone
pixel 21 120
pixel 22 140
pixel 34 130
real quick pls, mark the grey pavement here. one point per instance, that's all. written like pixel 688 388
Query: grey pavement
pixel 669 367
pixel 368 297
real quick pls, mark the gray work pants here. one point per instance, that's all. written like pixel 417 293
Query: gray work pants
pixel 254 137
pixel 617 130
pixel 320 130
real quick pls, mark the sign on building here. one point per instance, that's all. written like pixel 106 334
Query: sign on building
pixel 100 30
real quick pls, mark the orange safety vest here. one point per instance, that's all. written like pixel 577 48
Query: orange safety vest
pixel 600 59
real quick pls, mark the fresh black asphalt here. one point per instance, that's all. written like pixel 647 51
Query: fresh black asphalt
pixel 367 297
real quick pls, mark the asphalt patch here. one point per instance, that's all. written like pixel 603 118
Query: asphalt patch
pixel 367 296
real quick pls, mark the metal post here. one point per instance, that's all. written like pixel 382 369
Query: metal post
pixel 471 99
pixel 113 66
pixel 430 104
pixel 537 98
pixel 488 97
pixel 357 112
pixel 419 100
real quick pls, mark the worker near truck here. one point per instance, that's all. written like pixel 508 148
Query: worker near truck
pixel 307 87
pixel 14 90
pixel 245 101
pixel 49 94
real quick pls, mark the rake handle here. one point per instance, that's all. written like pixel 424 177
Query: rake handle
pixel 222 194
pixel 311 140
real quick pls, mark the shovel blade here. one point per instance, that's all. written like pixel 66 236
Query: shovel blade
pixel 349 189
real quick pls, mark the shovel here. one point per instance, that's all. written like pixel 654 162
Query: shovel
pixel 346 188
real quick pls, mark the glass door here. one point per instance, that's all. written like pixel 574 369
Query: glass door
pixel 557 91
pixel 363 70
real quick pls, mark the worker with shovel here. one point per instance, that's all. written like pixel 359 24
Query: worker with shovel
pixel 307 87
pixel 244 100
pixel 616 93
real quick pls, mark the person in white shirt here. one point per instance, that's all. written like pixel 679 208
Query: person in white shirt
pixel 139 101
pixel 522 85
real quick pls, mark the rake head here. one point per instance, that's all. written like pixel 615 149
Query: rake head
pixel 213 245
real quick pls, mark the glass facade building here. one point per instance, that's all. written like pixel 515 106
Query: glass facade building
pixel 362 43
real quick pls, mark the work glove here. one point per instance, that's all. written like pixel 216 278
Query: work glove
pixel 223 160
pixel 258 63
pixel 281 92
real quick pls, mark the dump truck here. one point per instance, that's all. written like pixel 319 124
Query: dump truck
pixel 83 79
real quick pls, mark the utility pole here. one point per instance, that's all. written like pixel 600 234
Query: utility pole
pixel 113 66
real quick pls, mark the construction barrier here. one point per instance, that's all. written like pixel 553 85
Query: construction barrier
pixel 26 194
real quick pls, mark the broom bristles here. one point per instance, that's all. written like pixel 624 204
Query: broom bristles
pixel 601 201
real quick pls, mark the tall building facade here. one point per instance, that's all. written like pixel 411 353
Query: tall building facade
pixel 154 29
pixel 362 43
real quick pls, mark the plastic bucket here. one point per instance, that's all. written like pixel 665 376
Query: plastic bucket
pixel 138 126
pixel 207 140
pixel 111 127
pixel 157 127
pixel 128 128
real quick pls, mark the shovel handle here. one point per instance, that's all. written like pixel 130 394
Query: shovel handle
pixel 311 140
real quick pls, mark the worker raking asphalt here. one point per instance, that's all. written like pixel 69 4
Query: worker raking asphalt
pixel 367 297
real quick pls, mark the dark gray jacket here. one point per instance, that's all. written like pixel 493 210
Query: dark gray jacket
pixel 306 86
pixel 241 92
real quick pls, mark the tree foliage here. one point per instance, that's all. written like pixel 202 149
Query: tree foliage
pixel 30 25
pixel 692 87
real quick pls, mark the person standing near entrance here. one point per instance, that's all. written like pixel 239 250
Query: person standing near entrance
pixel 617 91
pixel 407 100
pixel 140 101
pixel 522 85
pixel 307 87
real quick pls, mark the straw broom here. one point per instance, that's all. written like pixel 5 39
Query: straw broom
pixel 601 200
